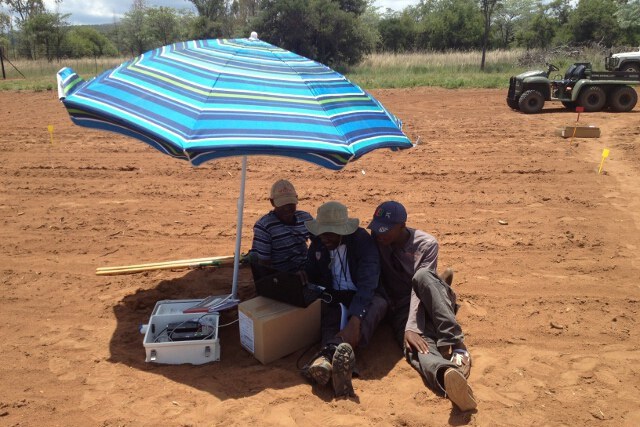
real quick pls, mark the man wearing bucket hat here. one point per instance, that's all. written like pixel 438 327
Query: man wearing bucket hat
pixel 422 306
pixel 343 258
pixel 280 237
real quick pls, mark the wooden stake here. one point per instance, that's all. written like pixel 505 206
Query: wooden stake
pixel 578 110
pixel 167 265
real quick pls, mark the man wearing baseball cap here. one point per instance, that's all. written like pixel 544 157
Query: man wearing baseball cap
pixel 280 237
pixel 422 306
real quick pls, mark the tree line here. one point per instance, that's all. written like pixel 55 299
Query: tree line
pixel 337 33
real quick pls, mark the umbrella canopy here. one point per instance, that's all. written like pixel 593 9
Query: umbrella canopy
pixel 206 99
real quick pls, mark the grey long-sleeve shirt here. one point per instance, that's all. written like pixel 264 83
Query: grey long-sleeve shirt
pixel 399 265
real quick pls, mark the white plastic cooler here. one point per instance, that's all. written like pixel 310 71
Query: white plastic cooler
pixel 161 349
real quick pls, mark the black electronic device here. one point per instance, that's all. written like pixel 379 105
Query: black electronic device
pixel 186 326
pixel 189 336
pixel 188 330
pixel 289 288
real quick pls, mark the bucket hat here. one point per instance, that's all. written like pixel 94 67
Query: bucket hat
pixel 332 217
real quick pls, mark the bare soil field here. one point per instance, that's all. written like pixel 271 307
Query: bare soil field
pixel 545 252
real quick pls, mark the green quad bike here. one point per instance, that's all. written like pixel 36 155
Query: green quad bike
pixel 580 87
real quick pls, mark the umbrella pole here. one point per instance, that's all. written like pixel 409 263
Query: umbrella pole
pixel 236 258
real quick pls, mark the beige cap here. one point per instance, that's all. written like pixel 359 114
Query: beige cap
pixel 332 217
pixel 283 193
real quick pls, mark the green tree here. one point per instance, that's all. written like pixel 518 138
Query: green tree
pixel 317 29
pixel 559 11
pixel 213 9
pixel 368 25
pixel 214 19
pixel 595 20
pixel 538 32
pixel 204 28
pixel 5 28
pixel 163 24
pixel 86 41
pixel 44 34
pixel 286 23
pixel 628 18
pixel 242 12
pixel 135 29
pixel 357 7
pixel 511 17
pixel 398 31
pixel 487 7
pixel 25 9
pixel 114 34
pixel 5 23
pixel 340 36
pixel 450 24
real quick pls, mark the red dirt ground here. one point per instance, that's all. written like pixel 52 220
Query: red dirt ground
pixel 550 300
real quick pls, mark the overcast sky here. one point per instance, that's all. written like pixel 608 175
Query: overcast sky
pixel 103 11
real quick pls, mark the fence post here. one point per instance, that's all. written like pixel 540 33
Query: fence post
pixel 4 76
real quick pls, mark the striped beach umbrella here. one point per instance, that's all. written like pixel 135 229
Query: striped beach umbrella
pixel 206 99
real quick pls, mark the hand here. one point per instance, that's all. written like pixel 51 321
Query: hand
pixel 413 341
pixel 351 333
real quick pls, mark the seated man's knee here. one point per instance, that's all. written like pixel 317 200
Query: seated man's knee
pixel 425 278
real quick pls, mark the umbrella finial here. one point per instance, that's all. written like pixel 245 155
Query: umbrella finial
pixel 253 36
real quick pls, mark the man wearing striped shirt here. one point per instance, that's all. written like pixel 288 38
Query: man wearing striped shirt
pixel 280 237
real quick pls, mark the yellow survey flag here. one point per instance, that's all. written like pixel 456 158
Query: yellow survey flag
pixel 50 128
pixel 605 154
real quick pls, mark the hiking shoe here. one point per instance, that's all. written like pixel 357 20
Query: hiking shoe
pixel 320 370
pixel 462 359
pixel 458 391
pixel 343 363
pixel 447 276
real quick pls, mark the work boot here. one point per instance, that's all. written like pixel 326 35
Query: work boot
pixel 344 361
pixel 320 370
pixel 458 391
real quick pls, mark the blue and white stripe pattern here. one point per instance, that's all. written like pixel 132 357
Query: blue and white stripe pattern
pixel 205 99
pixel 284 245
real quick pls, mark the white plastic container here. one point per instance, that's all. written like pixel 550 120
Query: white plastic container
pixel 161 349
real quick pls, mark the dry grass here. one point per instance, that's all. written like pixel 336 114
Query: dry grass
pixel 88 66
pixel 453 69
pixel 41 74
pixel 440 59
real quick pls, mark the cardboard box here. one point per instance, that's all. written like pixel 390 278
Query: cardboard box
pixel 271 329
pixel 580 131
pixel 160 348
